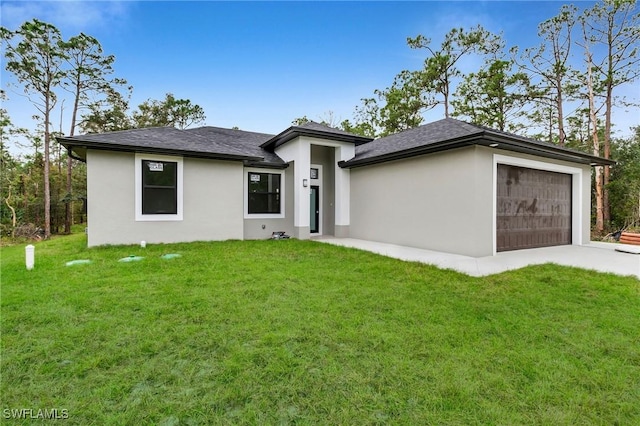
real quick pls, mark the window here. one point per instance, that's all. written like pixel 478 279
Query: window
pixel 158 188
pixel 264 194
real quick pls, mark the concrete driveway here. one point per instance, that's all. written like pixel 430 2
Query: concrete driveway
pixel 597 256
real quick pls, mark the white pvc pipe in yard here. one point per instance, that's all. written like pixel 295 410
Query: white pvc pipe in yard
pixel 30 252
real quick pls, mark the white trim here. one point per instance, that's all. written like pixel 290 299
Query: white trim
pixel 342 184
pixel 245 195
pixel 576 191
pixel 318 183
pixel 139 217
pixel 298 154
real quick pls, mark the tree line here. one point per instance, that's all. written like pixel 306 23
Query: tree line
pixel 50 70
pixel 544 91
pixel 562 90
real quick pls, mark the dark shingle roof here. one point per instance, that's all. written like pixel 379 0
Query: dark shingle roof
pixel 257 148
pixel 247 142
pixel 417 137
pixel 167 140
pixel 450 133
pixel 313 129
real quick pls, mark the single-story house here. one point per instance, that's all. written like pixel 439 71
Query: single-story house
pixel 449 186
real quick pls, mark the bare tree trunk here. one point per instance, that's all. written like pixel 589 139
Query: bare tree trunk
pixel 596 147
pixel 13 214
pixel 561 134
pixel 446 98
pixel 47 184
pixel 68 206
pixel 550 124
pixel 607 154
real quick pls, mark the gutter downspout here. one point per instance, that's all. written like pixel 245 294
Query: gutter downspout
pixel 70 153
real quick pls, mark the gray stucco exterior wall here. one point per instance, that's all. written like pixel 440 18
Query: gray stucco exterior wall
pixel 442 201
pixel 212 194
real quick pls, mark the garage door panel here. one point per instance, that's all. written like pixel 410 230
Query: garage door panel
pixel 533 208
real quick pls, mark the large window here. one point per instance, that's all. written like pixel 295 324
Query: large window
pixel 158 188
pixel 264 194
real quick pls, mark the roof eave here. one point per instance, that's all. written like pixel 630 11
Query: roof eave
pixel 484 139
pixel 68 143
pixel 295 131
pixel 408 153
pixel 556 153
pixel 266 165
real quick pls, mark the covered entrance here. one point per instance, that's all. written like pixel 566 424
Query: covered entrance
pixel 533 208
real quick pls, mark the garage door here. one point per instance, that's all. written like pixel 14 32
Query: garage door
pixel 533 208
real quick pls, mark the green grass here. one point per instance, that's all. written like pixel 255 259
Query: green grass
pixel 299 332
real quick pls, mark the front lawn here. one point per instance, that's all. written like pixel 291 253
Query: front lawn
pixel 299 332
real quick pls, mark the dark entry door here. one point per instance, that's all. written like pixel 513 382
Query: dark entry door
pixel 533 208
pixel 314 209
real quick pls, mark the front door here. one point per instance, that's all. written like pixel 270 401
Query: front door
pixel 314 210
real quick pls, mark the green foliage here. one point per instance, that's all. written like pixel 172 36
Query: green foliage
pixel 403 103
pixel 360 128
pixel 624 187
pixel 34 54
pixel 112 113
pixel 494 96
pixel 43 63
pixel 21 190
pixel 615 25
pixel 108 115
pixel 440 67
pixel 300 121
pixel 366 119
pixel 327 119
pixel 180 113
pixel 88 73
pixel 329 336
pixel 547 65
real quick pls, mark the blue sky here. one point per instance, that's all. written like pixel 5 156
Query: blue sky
pixel 259 65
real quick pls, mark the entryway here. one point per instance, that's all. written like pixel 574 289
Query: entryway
pixel 314 210
pixel 315 200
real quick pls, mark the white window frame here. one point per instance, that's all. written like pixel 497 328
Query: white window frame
pixel 138 183
pixel 248 215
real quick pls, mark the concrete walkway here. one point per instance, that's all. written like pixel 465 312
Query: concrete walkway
pixel 594 256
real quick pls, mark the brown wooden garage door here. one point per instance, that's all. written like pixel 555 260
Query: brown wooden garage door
pixel 534 208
